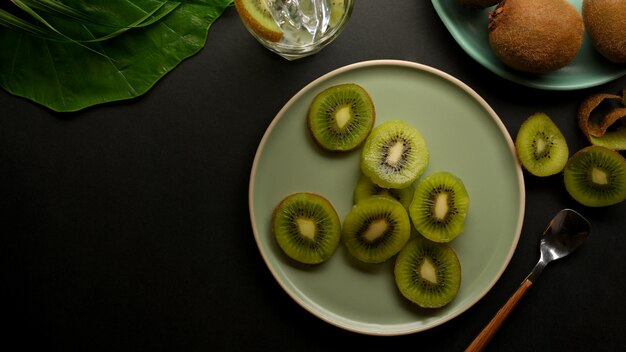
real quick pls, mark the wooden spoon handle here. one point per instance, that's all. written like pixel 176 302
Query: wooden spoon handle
pixel 489 331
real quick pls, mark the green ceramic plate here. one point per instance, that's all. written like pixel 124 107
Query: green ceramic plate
pixel 464 136
pixel 469 29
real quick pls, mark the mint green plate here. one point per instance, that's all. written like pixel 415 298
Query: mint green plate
pixel 464 136
pixel 469 29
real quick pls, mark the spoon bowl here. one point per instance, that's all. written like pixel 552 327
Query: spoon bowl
pixel 565 232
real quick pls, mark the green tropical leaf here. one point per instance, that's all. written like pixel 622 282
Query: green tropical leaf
pixel 69 76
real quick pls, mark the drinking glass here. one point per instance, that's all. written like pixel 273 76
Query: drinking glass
pixel 294 28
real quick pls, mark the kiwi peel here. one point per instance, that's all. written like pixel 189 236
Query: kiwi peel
pixel 306 227
pixel 376 229
pixel 439 207
pixel 341 117
pixel 541 147
pixel 428 273
pixel 394 155
pixel 595 176
pixel 605 132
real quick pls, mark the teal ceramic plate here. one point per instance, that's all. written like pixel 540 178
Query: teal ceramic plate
pixel 464 136
pixel 469 29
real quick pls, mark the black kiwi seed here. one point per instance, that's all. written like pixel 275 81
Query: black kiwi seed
pixel 306 227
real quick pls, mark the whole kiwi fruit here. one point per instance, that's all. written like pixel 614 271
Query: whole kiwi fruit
pixel 605 21
pixel 536 36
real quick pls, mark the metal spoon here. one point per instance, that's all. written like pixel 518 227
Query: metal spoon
pixel 565 232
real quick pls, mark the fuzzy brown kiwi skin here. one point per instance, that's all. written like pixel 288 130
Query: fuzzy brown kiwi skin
pixel 478 4
pixel 605 22
pixel 535 36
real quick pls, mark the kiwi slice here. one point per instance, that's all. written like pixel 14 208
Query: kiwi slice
pixel 428 273
pixel 394 155
pixel 365 188
pixel 307 227
pixel 541 147
pixel 258 19
pixel 337 11
pixel 440 206
pixel 376 229
pixel 341 117
pixel 595 176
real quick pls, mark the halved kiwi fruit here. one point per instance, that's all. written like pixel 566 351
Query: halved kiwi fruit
pixel 365 188
pixel 341 117
pixel 394 155
pixel 596 176
pixel 440 206
pixel 541 147
pixel 258 18
pixel 376 229
pixel 307 227
pixel 428 273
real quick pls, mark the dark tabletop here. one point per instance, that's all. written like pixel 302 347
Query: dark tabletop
pixel 126 227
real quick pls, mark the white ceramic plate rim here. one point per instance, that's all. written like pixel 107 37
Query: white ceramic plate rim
pixel 311 307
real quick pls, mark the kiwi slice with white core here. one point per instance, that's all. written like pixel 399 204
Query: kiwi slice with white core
pixel 439 207
pixel 376 229
pixel 341 117
pixel 541 147
pixel 258 18
pixel 307 227
pixel 394 155
pixel 365 188
pixel 428 273
pixel 596 177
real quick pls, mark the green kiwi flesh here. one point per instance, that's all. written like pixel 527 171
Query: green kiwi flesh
pixel 541 147
pixel 376 229
pixel 394 155
pixel 341 117
pixel 307 227
pixel 428 273
pixel 536 36
pixel 596 176
pixel 365 188
pixel 439 207
pixel 258 19
pixel 605 22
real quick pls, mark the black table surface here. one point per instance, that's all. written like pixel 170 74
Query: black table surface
pixel 125 226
